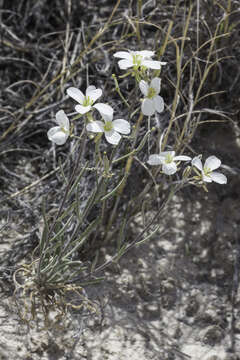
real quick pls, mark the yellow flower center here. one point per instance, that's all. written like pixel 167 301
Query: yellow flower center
pixel 87 101
pixel 151 93
pixel 168 159
pixel 207 171
pixel 63 130
pixel 108 126
pixel 137 60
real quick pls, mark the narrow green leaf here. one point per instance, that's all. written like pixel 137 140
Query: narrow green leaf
pixel 76 182
pixel 148 236
pixel 44 237
pixel 83 237
pixel 114 190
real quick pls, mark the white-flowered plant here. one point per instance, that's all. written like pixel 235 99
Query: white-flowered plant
pixel 103 208
pixel 59 134
pixel 168 160
pixel 207 171
pixel 138 59
pixel 152 102
pixel 86 101
pixel 111 128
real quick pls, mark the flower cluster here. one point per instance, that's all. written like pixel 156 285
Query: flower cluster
pixel 169 162
pixel 140 61
pixel 113 130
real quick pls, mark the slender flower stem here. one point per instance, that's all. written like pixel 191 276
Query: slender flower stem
pixel 130 159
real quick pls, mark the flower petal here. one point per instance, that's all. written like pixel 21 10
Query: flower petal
pixel 196 161
pixel 218 177
pixel 182 158
pixel 62 119
pixel 112 137
pixel 125 64
pixel 123 55
pixel 82 109
pixel 76 94
pixel 154 159
pixel 57 136
pixel 145 53
pixel 104 109
pixel 121 126
pixel 206 178
pixel 89 89
pixel 158 103
pixel 156 84
pixel 152 64
pixel 147 107
pixel 95 94
pixel 165 154
pixel 107 117
pixel 144 87
pixel 212 163
pixel 95 126
pixel 169 168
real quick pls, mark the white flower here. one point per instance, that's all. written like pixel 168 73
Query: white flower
pixel 208 175
pixel 86 101
pixel 152 101
pixel 137 59
pixel 110 128
pixel 59 134
pixel 167 159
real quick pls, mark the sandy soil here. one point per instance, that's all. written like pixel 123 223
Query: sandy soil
pixel 170 298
